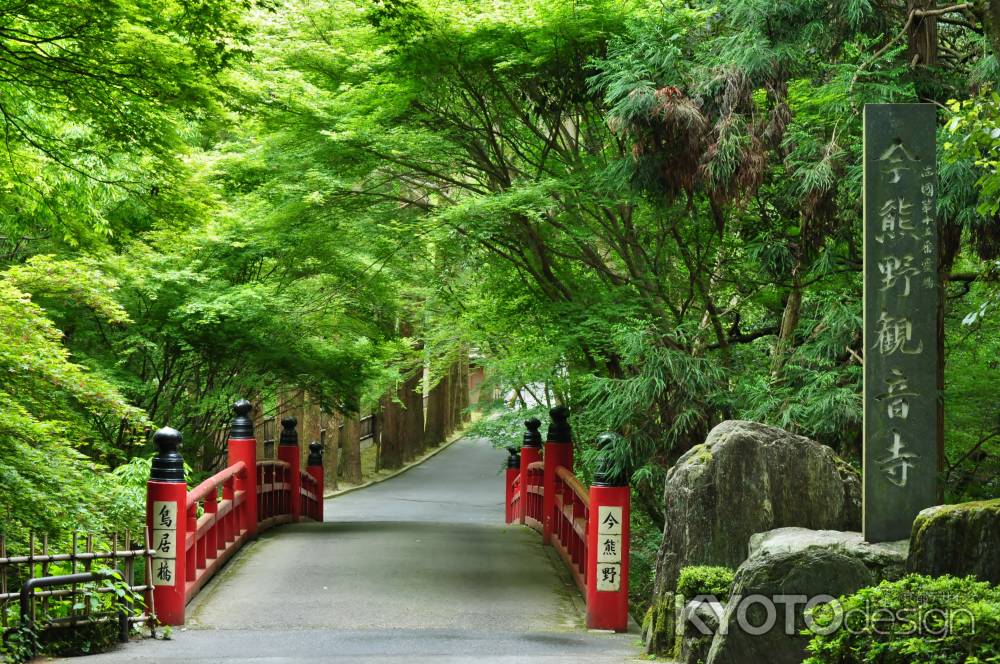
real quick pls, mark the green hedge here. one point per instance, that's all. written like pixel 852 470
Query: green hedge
pixel 704 580
pixel 944 620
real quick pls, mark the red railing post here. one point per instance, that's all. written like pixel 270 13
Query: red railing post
pixel 531 451
pixel 608 546
pixel 314 465
pixel 513 471
pixel 289 452
pixel 243 447
pixel 191 563
pixel 227 535
pixel 558 452
pixel 212 536
pixel 166 520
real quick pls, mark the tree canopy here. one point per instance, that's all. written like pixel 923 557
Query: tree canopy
pixel 650 212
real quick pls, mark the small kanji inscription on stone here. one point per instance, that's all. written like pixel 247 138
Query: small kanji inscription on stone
pixel 164 571
pixel 609 577
pixel 609 548
pixel 609 520
pixel 164 514
pixel 164 543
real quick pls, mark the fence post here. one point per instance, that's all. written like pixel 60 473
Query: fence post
pixel 289 452
pixel 558 452
pixel 608 544
pixel 531 451
pixel 314 466
pixel 513 470
pixel 166 512
pixel 243 447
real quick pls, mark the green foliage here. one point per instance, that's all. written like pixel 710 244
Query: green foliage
pixel 110 597
pixel 504 427
pixel 98 99
pixel 647 212
pixel 705 580
pixel 973 135
pixel 52 407
pixel 20 645
pixel 643 548
pixel 944 620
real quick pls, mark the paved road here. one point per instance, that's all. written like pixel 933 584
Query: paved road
pixel 417 569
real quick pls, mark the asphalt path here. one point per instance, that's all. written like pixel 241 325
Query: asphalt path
pixel 419 568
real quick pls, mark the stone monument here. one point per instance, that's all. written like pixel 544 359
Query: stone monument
pixel 902 306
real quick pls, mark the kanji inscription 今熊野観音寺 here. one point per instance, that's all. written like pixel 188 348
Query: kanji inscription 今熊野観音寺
pixel 901 310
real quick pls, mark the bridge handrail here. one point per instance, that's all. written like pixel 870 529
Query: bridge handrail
pixel 582 492
pixel 308 495
pixel 587 526
pixel 189 549
pixel 211 539
pixel 272 462
pixel 273 493
pixel 201 492
pixel 535 489
pixel 569 524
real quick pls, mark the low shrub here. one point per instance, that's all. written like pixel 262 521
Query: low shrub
pixel 943 620
pixel 705 580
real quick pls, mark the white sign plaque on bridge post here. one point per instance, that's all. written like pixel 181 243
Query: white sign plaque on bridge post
pixel 609 548
pixel 164 542
pixel 902 309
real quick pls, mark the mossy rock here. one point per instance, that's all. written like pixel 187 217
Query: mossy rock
pixel 803 563
pixel 959 540
pixel 749 478
pixel 659 626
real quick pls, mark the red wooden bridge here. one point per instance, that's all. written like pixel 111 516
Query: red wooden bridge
pixel 193 533
pixel 470 579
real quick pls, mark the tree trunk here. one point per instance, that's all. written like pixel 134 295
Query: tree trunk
pixel 456 396
pixel 923 41
pixel 309 428
pixel 350 443
pixel 989 14
pixel 391 440
pixel 329 436
pixel 463 388
pixel 449 401
pixel 436 406
pixel 413 425
pixel 789 322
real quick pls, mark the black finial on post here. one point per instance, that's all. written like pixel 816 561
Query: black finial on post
pixel 168 465
pixel 315 453
pixel 514 460
pixel 242 426
pixel 559 431
pixel 289 436
pixel 606 473
pixel 532 437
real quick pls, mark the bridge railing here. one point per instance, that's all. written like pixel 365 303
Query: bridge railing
pixel 571 514
pixel 587 526
pixel 211 538
pixel 273 488
pixel 193 533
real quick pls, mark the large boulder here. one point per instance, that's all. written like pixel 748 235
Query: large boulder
pixel 749 478
pixel 698 634
pixel 801 563
pixel 957 539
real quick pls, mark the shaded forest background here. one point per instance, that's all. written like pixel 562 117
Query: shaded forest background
pixel 650 212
